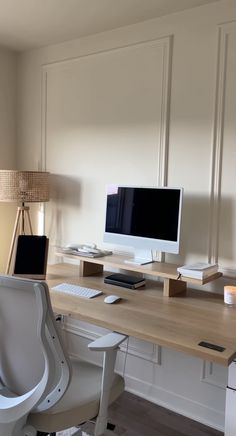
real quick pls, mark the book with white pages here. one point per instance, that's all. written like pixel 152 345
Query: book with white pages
pixel 198 270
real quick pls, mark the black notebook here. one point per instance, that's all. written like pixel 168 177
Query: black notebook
pixel 127 281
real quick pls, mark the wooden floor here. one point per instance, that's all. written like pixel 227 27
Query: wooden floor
pixel 134 416
pixel 137 417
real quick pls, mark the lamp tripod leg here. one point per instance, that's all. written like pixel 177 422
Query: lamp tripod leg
pixel 17 221
pixel 29 221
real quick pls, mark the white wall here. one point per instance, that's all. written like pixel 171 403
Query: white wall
pixel 98 110
pixel 7 142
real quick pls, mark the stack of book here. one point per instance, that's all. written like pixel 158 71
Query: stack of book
pixel 125 280
pixel 198 270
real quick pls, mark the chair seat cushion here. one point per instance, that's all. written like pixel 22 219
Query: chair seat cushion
pixel 80 402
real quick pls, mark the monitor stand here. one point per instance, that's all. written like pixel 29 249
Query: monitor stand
pixel 141 257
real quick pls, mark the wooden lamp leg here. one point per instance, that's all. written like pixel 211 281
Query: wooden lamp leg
pixel 22 211
pixel 17 222
pixel 29 220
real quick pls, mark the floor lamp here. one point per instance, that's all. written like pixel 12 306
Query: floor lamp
pixel 23 187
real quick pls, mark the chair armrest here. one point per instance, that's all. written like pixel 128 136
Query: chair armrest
pixel 111 341
pixel 109 344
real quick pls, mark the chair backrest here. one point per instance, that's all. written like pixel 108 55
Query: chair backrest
pixel 30 342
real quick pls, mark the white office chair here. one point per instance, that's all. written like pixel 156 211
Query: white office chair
pixel 42 391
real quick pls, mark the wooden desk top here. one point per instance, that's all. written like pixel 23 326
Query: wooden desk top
pixel 179 322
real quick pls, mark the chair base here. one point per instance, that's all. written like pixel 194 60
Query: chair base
pixel 39 433
pixel 110 427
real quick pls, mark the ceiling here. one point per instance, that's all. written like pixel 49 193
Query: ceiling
pixel 26 24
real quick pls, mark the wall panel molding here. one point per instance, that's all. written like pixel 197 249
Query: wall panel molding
pixel 162 174
pixel 177 403
pixel 211 376
pixel 217 143
pixel 165 44
pixel 43 119
pixel 154 355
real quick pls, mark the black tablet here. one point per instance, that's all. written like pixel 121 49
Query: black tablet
pixel 31 256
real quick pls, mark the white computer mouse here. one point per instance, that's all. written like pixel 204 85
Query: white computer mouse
pixel 110 299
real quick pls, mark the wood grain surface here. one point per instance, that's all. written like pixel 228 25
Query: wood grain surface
pixel 179 322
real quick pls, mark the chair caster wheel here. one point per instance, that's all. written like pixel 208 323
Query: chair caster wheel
pixel 28 430
pixel 110 426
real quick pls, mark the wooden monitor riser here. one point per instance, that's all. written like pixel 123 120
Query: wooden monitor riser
pixel 173 284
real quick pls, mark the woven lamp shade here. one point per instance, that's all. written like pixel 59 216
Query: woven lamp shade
pixel 24 186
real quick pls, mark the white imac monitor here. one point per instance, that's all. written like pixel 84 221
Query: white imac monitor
pixel 144 218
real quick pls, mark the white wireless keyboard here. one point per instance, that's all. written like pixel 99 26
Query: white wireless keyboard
pixel 80 291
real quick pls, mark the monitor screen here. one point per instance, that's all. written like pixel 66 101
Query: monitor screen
pixel 147 218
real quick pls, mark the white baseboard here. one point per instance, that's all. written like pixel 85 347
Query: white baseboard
pixel 176 403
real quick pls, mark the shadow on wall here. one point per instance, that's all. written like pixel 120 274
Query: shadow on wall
pixel 196 226
pixel 65 190
pixel 227 230
pixel 64 194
